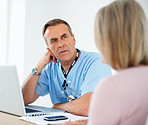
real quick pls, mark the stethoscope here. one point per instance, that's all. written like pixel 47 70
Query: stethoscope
pixel 65 85
pixel 69 96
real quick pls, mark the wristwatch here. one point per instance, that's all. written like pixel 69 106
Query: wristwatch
pixel 35 72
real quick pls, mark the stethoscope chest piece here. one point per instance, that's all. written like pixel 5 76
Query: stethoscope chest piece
pixel 70 98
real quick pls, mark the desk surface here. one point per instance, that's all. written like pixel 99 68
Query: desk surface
pixel 7 119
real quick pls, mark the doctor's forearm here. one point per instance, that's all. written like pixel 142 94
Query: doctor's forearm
pixel 28 89
pixel 77 107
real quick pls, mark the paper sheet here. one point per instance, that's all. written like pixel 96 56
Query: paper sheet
pixel 40 121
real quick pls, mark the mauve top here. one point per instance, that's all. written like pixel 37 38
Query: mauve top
pixel 121 99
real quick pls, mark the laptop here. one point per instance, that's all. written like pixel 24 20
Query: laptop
pixel 11 99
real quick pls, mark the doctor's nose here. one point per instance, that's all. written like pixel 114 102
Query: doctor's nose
pixel 61 43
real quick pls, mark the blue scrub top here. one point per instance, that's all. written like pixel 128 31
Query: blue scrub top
pixel 83 77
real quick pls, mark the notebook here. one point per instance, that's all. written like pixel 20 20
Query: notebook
pixel 11 99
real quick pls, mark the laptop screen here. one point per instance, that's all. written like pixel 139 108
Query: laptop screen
pixel 10 93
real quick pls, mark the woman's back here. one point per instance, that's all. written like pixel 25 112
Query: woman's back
pixel 121 99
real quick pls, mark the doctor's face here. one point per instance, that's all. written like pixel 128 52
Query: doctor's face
pixel 60 42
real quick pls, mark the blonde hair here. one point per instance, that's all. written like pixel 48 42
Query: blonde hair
pixel 121 28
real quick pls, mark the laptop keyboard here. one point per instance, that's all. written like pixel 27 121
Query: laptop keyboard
pixel 28 110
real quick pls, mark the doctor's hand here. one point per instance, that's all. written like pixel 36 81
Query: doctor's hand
pixel 47 58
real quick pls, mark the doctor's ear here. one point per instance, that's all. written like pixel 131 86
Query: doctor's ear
pixel 48 49
pixel 74 38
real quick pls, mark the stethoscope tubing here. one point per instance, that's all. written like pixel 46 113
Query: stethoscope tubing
pixel 73 90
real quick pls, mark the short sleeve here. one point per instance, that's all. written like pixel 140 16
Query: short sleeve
pixel 94 72
pixel 42 87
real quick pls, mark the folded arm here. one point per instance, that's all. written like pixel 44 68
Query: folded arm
pixel 77 107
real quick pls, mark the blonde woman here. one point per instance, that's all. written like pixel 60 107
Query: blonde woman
pixel 120 35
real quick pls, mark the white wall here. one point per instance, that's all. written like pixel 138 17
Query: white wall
pixel 15 36
pixel 3 31
pixel 79 14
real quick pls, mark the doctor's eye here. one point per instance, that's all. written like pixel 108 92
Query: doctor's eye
pixel 64 36
pixel 53 40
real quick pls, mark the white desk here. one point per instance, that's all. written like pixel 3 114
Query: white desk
pixel 7 119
